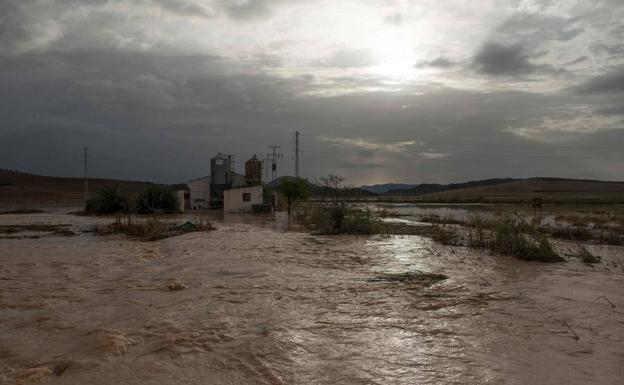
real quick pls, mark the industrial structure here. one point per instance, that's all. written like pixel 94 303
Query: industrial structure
pixel 248 198
pixel 226 189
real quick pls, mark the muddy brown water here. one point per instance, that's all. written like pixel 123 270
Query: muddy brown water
pixel 267 306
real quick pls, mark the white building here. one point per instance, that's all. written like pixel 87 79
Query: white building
pixel 200 190
pixel 200 193
pixel 242 199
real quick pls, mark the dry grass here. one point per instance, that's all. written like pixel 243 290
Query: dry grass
pixel 152 229
pixel 507 235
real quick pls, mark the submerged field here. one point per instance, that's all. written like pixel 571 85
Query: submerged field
pixel 252 303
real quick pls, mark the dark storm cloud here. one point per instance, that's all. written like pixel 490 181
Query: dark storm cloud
pixel 611 110
pixel 184 8
pixel 246 10
pixel 611 82
pixel 495 58
pixel 536 29
pixel 252 10
pixel 164 116
pixel 439 62
pixel 152 108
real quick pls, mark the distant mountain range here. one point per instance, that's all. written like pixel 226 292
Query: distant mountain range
pixel 514 190
pixel 16 187
pixel 384 188
pixel 428 188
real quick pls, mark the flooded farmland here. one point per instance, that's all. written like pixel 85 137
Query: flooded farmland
pixel 252 303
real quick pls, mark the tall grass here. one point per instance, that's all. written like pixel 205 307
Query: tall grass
pixel 507 235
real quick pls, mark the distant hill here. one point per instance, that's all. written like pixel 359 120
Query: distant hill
pixel 19 187
pixel 428 188
pixel 386 187
pixel 316 191
pixel 550 189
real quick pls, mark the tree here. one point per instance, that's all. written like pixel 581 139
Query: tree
pixel 294 189
pixel 108 200
pixel 157 199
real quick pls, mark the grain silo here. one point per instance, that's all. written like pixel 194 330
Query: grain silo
pixel 253 171
pixel 220 170
pixel 220 178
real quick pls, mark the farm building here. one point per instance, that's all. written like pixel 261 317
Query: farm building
pixel 242 199
pixel 200 193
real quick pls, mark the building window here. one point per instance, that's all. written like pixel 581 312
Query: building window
pixel 246 197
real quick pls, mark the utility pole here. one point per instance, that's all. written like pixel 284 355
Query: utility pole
pixel 274 157
pixel 265 166
pixel 86 178
pixel 297 154
pixel 232 171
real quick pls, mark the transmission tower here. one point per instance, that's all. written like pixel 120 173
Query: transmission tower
pixel 274 157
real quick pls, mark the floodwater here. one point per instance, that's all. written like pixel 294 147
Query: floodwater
pixel 261 305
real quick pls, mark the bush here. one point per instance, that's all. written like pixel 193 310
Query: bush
pixel 344 219
pixel 157 199
pixel 152 229
pixel 334 214
pixel 518 238
pixel 108 200
pixel 509 235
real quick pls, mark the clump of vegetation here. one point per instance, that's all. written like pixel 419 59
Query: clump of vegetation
pixel 445 235
pixel 335 214
pixel 507 235
pixel 152 229
pixel 294 190
pixel 109 200
pixel 157 199
pixel 112 200
pixel 516 237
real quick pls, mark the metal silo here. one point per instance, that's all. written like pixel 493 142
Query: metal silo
pixel 220 170
pixel 220 178
pixel 253 171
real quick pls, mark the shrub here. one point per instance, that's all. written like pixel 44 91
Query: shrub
pixel 334 214
pixel 509 235
pixel 108 200
pixel 518 238
pixel 152 229
pixel 157 199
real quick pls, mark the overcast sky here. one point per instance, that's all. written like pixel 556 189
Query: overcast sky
pixel 388 90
